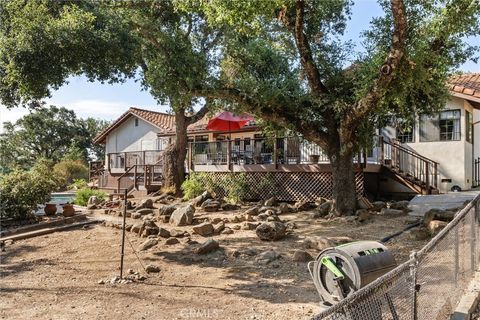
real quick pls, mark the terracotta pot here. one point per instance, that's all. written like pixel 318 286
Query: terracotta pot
pixel 314 158
pixel 50 209
pixel 68 210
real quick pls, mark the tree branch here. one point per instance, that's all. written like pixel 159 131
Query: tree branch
pixel 199 114
pixel 392 62
pixel 306 58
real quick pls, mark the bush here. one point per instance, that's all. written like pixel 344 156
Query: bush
pixel 236 187
pixel 193 186
pixel 82 196
pixel 70 170
pixel 22 191
pixel 78 184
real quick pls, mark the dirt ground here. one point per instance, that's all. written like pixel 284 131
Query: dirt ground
pixel 56 276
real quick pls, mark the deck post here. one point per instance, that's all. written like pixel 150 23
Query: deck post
pixel 285 147
pixel 144 160
pixel 125 161
pixel 229 155
pixel 189 157
pixel 274 156
pixel 108 161
pixel 382 150
pixel 135 177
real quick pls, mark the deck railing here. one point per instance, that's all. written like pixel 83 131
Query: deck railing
pixel 125 160
pixel 289 150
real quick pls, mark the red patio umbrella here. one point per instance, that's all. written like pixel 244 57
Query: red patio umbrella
pixel 227 121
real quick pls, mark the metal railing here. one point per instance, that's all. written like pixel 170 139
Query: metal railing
pixel 125 160
pixel 428 285
pixel 290 150
pixel 476 173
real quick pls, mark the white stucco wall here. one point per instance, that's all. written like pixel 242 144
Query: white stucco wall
pixel 128 137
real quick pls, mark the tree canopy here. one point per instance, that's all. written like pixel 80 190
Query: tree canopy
pixel 285 61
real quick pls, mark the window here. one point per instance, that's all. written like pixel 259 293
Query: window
pixel 444 126
pixel 405 135
pixel 136 122
pixel 468 127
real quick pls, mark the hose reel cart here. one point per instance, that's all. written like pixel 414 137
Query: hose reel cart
pixel 339 271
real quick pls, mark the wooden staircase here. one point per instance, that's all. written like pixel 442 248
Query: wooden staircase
pixel 409 168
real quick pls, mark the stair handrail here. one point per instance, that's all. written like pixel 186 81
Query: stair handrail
pixel 414 153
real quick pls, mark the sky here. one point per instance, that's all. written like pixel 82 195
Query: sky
pixel 108 102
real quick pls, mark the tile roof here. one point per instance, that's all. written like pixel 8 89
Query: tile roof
pixel 467 84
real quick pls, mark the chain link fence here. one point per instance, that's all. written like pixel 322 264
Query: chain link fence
pixel 426 287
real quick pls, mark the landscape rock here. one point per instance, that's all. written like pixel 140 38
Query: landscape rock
pixel 164 233
pixel 270 202
pixel 147 244
pixel 249 226
pixel 438 214
pixel 304 205
pixel 267 257
pixel 219 227
pixel 204 229
pixel 144 211
pixel 136 215
pixel 177 233
pixel 236 227
pixel 137 227
pixel 273 218
pixel 363 215
pixel 435 226
pixel 324 209
pixel 167 210
pixel 229 206
pixel 227 230
pixel 318 243
pixel 263 216
pixel 208 246
pixel 211 205
pixel 271 231
pixel 150 268
pixel 378 205
pixel 253 211
pixel 392 212
pixel 265 208
pixel 149 228
pixel 145 204
pixel 418 234
pixel 283 208
pixel 198 201
pixel 400 205
pixel 182 216
pixel 171 241
pixel 301 256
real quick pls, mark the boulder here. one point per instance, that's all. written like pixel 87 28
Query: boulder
pixel 137 227
pixel 211 205
pixel 236 227
pixel 229 206
pixel 208 246
pixel 363 215
pixel 270 202
pixel 167 210
pixel 283 208
pixel 164 233
pixel 318 243
pixel 301 256
pixel 324 209
pixel 149 228
pixel 392 212
pixel 144 211
pixel 171 241
pixel 145 204
pixel 182 216
pixel 197 202
pixel 267 257
pixel 147 244
pixel 304 205
pixel 434 226
pixel 136 215
pixel 273 218
pixel 150 268
pixel 263 216
pixel 219 227
pixel 249 226
pixel 438 214
pixel 177 233
pixel 227 230
pixel 418 234
pixel 204 229
pixel 253 211
pixel 265 208
pixel 400 205
pixel 378 205
pixel 271 231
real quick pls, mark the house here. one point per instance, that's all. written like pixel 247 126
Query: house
pixel 436 155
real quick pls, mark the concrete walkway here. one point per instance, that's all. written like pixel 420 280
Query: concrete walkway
pixel 422 203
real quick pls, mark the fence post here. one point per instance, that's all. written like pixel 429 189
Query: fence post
pixel 229 155
pixel 415 286
pixel 382 150
pixel 274 157
pixel 473 242
pixel 455 255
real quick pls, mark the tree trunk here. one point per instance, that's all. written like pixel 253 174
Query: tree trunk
pixel 343 176
pixel 175 154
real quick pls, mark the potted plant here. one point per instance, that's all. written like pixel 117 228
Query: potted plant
pixel 50 209
pixel 314 158
pixel 68 210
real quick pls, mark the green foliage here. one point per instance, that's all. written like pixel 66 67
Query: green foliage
pixel 78 184
pixel 70 170
pixel 235 186
pixel 82 196
pixel 21 191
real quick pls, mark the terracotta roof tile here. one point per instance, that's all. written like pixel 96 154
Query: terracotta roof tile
pixel 468 84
